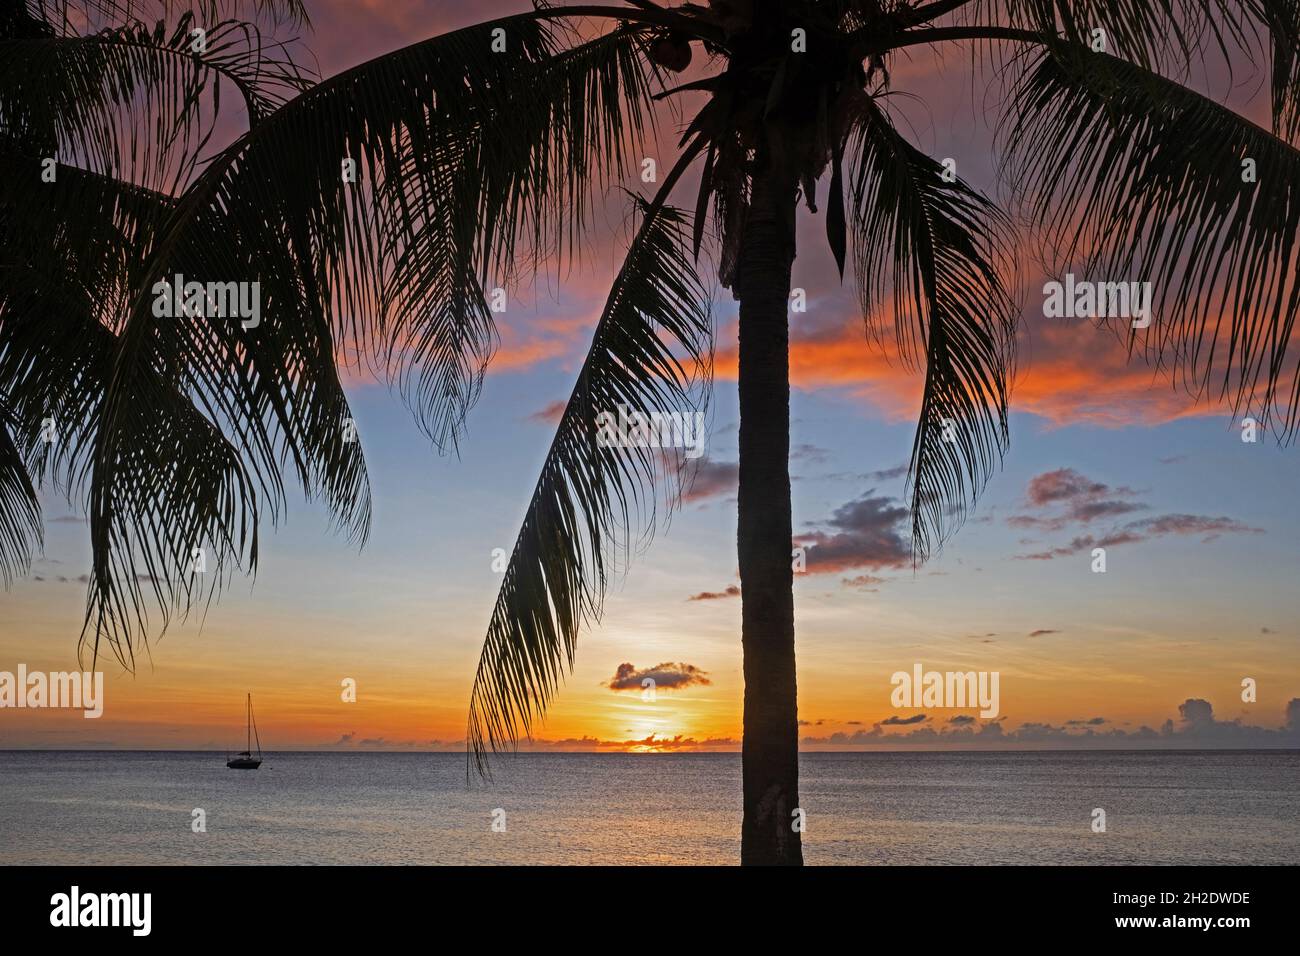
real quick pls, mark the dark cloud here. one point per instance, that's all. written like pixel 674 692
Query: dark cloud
pixel 1063 484
pixel 863 582
pixel 884 474
pixel 868 532
pixel 839 738
pixel 1145 530
pixel 1076 499
pixel 667 676
pixel 1192 524
pixel 1080 501
pixel 1196 728
pixel 1194 710
pixel 1043 630
pixel 888 474
pixel 731 591
pixel 1084 543
pixel 1197 723
pixel 1087 511
pixel 804 451
pixel 896 721
pixel 711 479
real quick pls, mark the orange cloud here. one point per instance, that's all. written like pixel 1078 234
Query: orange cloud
pixel 1068 374
pixel 550 413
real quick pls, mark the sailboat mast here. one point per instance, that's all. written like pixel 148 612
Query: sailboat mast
pixel 249 745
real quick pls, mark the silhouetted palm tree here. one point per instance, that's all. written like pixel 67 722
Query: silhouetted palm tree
pixel 479 153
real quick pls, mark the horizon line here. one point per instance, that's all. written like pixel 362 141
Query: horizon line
pixel 665 753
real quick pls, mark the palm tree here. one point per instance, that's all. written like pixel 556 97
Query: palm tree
pixel 478 154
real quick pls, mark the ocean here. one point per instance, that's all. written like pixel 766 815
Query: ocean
pixel 1190 807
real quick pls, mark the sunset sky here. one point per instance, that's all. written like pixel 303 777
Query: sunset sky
pixel 1200 530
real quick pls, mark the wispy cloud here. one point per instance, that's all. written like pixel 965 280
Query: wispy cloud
pixel 730 591
pixel 549 414
pixel 1066 499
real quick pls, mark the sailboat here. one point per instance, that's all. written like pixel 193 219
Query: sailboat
pixel 244 760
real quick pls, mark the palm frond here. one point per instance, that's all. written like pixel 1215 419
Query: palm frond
pixel 463 156
pixel 655 325
pixel 1143 31
pixel 1141 179
pixel 67 256
pixel 1281 19
pixel 1167 36
pixel 130 101
pixel 927 254
pixel 72 17
pixel 20 509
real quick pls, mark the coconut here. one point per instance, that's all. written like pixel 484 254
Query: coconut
pixel 672 52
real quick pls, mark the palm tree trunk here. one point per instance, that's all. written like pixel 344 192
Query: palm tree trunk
pixel 771 727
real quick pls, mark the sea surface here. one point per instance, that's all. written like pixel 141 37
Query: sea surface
pixel 861 808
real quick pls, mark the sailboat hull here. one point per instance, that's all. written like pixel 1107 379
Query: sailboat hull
pixel 244 760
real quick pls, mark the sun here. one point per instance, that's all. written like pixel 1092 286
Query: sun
pixel 647 733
